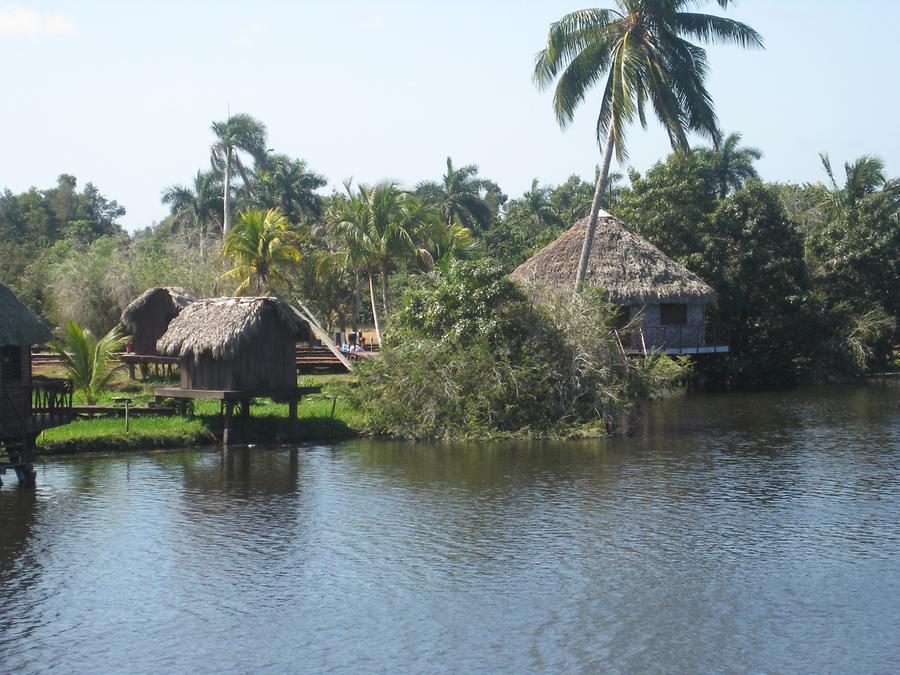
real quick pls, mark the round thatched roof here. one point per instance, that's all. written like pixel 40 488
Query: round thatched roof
pixel 629 268
pixel 179 297
pixel 219 326
pixel 19 326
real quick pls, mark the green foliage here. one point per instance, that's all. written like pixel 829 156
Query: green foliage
pixel 501 364
pixel 458 197
pixel 463 304
pixel 89 363
pixel 263 251
pixel 643 54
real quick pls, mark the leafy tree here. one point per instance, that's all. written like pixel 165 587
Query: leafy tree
pixel 263 250
pixel 672 203
pixel 855 253
pixel 642 51
pixel 753 256
pixel 89 363
pixel 458 197
pixel 239 133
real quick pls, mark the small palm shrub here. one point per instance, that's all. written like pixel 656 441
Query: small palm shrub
pixel 89 362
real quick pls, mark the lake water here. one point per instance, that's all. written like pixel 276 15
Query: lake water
pixel 731 533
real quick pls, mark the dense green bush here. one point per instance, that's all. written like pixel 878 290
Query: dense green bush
pixel 471 355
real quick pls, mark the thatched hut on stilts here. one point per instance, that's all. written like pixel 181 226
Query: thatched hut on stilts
pixel 662 303
pixel 20 329
pixel 146 319
pixel 236 349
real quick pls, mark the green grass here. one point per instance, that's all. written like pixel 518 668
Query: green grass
pixel 108 434
pixel 268 421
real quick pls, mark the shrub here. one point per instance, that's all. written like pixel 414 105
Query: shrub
pixel 471 355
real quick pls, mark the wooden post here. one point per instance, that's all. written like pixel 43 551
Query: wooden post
pixel 127 401
pixel 226 431
pixel 292 413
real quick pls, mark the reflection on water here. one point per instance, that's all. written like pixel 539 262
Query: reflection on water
pixel 730 533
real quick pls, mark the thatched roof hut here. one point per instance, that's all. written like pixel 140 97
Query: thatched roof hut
pixel 245 344
pixel 19 329
pixel 148 316
pixel 629 268
pixel 19 326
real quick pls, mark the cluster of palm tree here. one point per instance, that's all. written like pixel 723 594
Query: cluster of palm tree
pixel 244 174
pixel 375 229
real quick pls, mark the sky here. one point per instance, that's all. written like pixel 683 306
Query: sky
pixel 123 93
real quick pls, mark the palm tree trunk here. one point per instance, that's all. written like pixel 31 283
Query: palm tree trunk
pixel 384 293
pixel 354 314
pixel 374 308
pixel 595 210
pixel 226 224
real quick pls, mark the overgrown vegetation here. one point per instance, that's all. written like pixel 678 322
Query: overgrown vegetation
pixel 471 355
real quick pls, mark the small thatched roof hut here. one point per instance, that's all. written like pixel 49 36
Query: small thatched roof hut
pixel 19 329
pixel 148 316
pixel 236 344
pixel 629 268
pixel 19 326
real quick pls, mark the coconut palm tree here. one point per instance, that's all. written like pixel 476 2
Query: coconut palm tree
pixel 378 227
pixel 458 197
pixel 89 363
pixel 239 133
pixel 641 50
pixel 734 164
pixel 263 250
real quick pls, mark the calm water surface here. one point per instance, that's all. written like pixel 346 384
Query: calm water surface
pixel 732 533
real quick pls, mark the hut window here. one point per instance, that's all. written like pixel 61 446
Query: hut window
pixel 11 364
pixel 673 314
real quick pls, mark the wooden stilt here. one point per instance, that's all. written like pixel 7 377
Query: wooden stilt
pixel 226 431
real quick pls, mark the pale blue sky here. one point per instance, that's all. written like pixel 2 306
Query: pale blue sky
pixel 123 93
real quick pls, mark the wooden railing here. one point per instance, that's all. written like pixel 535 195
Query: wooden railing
pixel 687 339
pixel 51 401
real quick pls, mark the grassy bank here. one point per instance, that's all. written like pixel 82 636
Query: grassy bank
pixel 325 416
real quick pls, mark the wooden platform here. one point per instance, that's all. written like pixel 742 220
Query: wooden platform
pixel 242 398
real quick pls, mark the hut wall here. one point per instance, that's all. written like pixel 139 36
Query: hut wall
pixel 15 395
pixel 266 364
pixel 151 322
pixel 656 334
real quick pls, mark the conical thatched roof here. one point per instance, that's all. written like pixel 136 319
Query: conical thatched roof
pixel 180 299
pixel 630 269
pixel 19 326
pixel 220 326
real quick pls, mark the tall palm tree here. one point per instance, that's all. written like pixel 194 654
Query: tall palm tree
pixel 198 206
pixel 734 164
pixel 263 250
pixel 458 197
pixel 239 133
pixel 641 51
pixel 378 227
